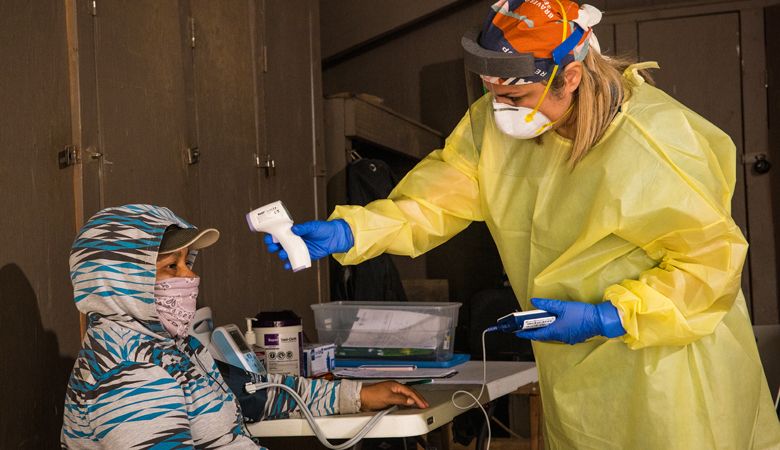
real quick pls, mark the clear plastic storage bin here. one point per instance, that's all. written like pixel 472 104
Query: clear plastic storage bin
pixel 389 330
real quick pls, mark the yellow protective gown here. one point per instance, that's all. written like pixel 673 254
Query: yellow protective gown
pixel 642 221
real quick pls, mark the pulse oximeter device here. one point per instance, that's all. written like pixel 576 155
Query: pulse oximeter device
pixel 526 320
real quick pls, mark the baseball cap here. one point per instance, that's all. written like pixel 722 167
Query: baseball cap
pixel 176 238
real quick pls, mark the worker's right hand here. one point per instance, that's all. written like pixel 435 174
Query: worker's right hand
pixel 322 238
pixel 575 322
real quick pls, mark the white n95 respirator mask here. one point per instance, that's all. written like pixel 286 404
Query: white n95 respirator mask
pixel 520 122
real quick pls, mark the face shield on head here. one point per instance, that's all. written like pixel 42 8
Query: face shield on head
pixel 496 72
pixel 487 69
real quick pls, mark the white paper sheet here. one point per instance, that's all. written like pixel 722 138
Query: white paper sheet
pixel 385 328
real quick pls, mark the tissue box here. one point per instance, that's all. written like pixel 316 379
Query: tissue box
pixel 318 359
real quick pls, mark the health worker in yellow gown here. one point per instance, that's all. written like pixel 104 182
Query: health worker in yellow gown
pixel 609 203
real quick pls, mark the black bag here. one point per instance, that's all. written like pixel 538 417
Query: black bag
pixel 377 278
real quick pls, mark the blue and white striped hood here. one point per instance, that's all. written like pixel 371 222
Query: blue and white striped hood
pixel 132 386
pixel 112 264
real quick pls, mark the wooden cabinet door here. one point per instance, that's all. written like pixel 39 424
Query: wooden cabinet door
pixel 141 64
pixel 229 115
pixel 292 92
pixel 768 216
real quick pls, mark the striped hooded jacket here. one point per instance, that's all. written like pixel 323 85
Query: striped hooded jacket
pixel 133 386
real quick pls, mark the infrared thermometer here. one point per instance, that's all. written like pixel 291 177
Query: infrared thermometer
pixel 521 321
pixel 275 220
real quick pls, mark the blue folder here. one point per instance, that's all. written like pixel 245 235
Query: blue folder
pixel 457 358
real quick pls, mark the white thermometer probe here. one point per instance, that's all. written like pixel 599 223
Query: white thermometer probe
pixel 275 220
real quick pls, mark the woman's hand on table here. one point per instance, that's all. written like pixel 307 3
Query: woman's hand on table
pixel 388 393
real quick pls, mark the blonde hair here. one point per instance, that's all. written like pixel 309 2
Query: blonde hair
pixel 596 101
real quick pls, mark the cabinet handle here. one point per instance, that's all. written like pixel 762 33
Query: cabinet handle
pixel 762 165
pixel 267 163
pixel 758 161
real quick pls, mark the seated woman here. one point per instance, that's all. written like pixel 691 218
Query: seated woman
pixel 140 381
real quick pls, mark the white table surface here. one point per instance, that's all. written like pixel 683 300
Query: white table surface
pixel 503 377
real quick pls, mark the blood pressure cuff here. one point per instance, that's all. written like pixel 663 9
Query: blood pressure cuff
pixel 252 405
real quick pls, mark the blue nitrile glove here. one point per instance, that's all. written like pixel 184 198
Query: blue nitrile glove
pixel 322 238
pixel 575 321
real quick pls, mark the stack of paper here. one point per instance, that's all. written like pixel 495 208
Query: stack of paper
pixel 380 328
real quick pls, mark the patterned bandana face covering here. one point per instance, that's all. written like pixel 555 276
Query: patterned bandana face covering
pixel 175 299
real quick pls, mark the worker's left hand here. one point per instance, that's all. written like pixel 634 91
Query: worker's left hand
pixel 575 321
pixel 387 393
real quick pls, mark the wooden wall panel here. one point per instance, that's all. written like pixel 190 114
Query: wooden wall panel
pixel 626 40
pixel 606 36
pixel 40 328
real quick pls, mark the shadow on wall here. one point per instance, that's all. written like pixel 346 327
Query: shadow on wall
pixel 443 98
pixel 32 372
